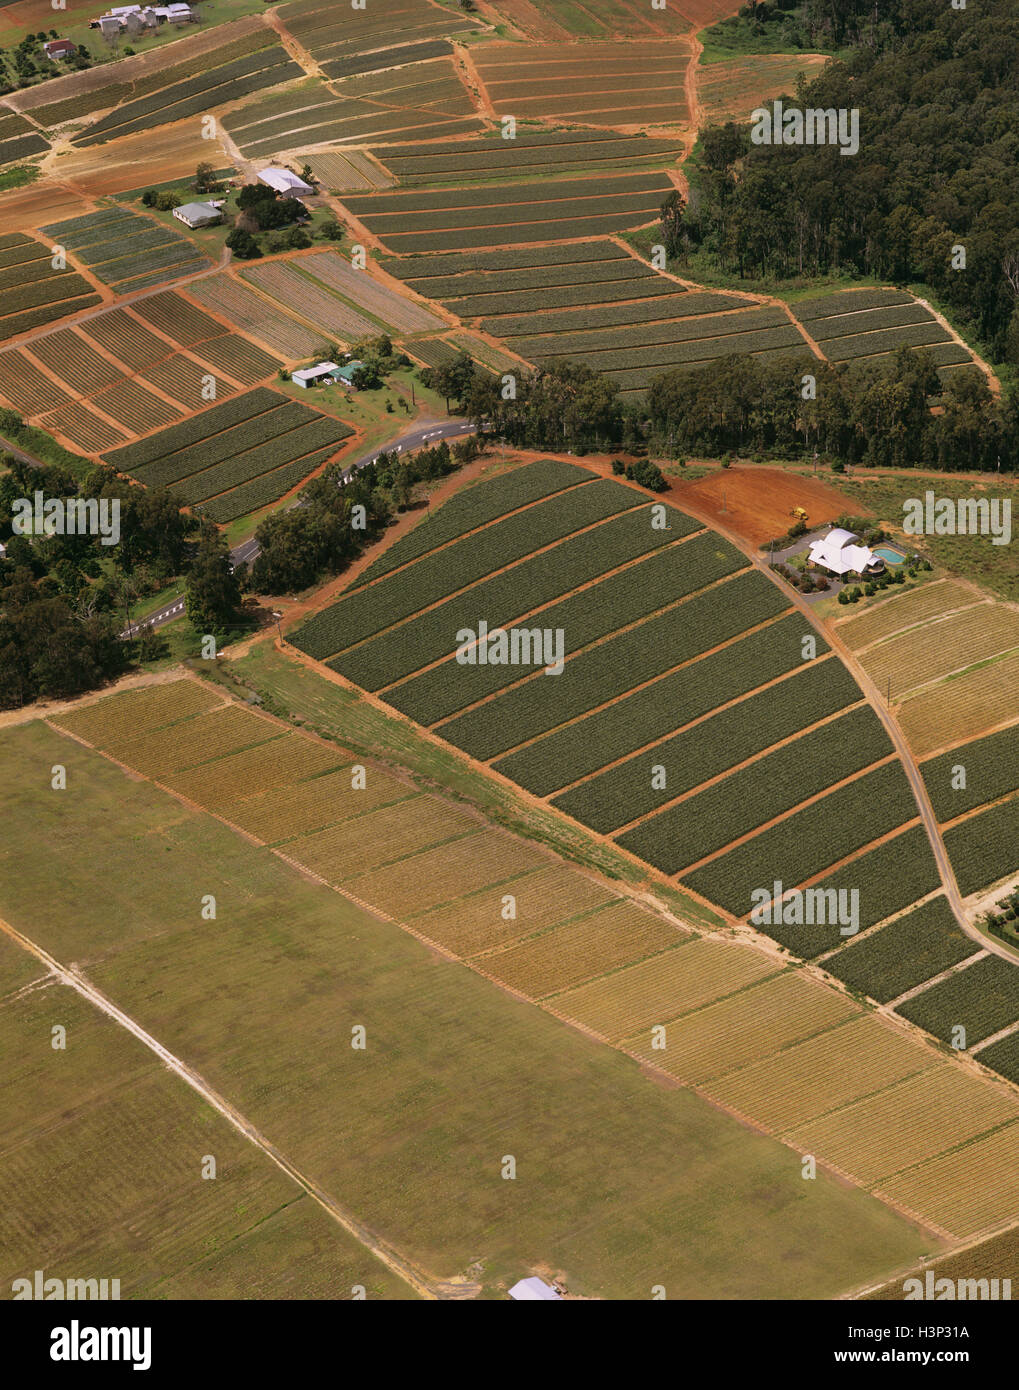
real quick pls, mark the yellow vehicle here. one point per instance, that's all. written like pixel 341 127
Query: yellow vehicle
pixel 800 513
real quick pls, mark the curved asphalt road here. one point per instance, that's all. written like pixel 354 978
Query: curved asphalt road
pixel 246 552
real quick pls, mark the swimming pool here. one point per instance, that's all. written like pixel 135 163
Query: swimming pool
pixel 890 556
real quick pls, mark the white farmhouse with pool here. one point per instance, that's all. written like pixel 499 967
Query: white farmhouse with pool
pixel 839 553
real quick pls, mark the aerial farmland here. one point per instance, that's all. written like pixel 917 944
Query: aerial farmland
pixel 509 663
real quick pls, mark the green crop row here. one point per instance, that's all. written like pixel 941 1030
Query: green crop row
pixel 647 334
pixel 526 138
pixel 640 378
pixel 456 288
pixel 949 354
pixel 904 953
pixel 23 253
pixel 367 611
pixel 14 324
pixel 387 58
pixel 319 434
pixel 678 303
pixel 561 297
pixel 866 344
pixel 595 612
pixel 27 272
pixel 127 240
pixel 694 349
pixel 174 467
pixel 22 147
pixel 711 819
pixel 79 231
pixel 985 848
pixel 809 840
pixel 872 320
pixel 489 156
pixel 162 264
pixel 593 742
pixel 553 213
pixel 535 581
pixel 887 879
pixel 1003 1057
pixel 53 290
pixel 476 505
pixel 616 666
pixel 202 426
pixel 373 206
pixel 982 998
pixel 848 302
pixel 416 268
pixel 628 791
pixel 160 277
pixel 990 767
pixel 518 233
pixel 259 492
pixel 213 87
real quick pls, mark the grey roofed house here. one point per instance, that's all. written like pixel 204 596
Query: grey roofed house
pixel 533 1290
pixel 198 214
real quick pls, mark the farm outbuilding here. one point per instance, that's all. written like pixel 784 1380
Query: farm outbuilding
pixel 839 553
pixel 284 181
pixel 533 1290
pixel 59 48
pixel 310 376
pixel 198 214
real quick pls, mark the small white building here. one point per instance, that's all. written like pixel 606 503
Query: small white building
pixel 198 214
pixel 322 371
pixel 839 553
pixel 533 1290
pixel 284 181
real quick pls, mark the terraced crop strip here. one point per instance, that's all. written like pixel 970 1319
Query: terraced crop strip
pixel 126 249
pixel 432 85
pixel 990 767
pixel 254 314
pixel 936 649
pixel 32 291
pixel 512 213
pixel 343 41
pixel 903 954
pixel 19 138
pixel 612 84
pixel 83 428
pixel 630 790
pixel 613 667
pixel 653 711
pixel 903 611
pixel 138 410
pixel 704 823
pixel 367 611
pixel 982 848
pixel 730 90
pixel 982 998
pixel 217 85
pixel 530 151
pixel 26 386
pixel 519 593
pixel 342 173
pixel 961 708
pixel 810 840
pixel 868 323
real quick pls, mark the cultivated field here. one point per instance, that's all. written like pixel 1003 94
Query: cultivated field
pixel 981 998
pixel 33 291
pixel 730 91
pixel 363 40
pixel 531 150
pixel 961 708
pixel 756 503
pixel 991 769
pixel 922 655
pixel 126 249
pixel 901 955
pixel 857 324
pixel 346 172
pixel 252 313
pixel 893 615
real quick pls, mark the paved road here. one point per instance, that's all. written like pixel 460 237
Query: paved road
pixel 245 553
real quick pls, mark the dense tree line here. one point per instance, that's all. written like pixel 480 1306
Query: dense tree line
pixel 937 90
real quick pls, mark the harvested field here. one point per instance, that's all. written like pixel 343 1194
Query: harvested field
pixel 350 172
pixel 887 878
pixel 628 791
pixel 961 708
pixel 214 734
pixel 128 340
pixel 892 615
pixel 907 1123
pixel 926 654
pixel 84 429
pixel 729 91
pixel 774 1013
pixel 809 840
pixel 253 314
pixel 903 954
pixel 983 848
pixel 660 990
pixel 966 1189
pixel 991 768
pixel 384 836
pixel 359 288
pixel 287 812
pixel 564 957
pixel 628 723
pixel 824 1073
pixel 611 84
pixel 757 502
pixel 284 283
pixel 982 998
pixel 29 390
pixel 132 713
pixel 276 765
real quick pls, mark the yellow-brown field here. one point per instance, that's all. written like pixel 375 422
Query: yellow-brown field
pixel 285 813
pixel 661 989
pixel 565 956
pixel 926 654
pixel 446 873
pixel 967 1189
pixel 135 712
pixel 793 1086
pixel 905 610
pixel 476 923
pixel 960 709
pixel 731 90
pixel 732 1032
pixel 383 836
pixel 198 740
pixel 280 763
pixel 908 1123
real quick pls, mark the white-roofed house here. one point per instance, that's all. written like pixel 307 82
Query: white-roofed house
pixel 839 553
pixel 322 371
pixel 284 181
pixel 533 1290
pixel 198 214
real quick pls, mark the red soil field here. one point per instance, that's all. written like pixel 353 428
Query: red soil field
pixel 758 501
